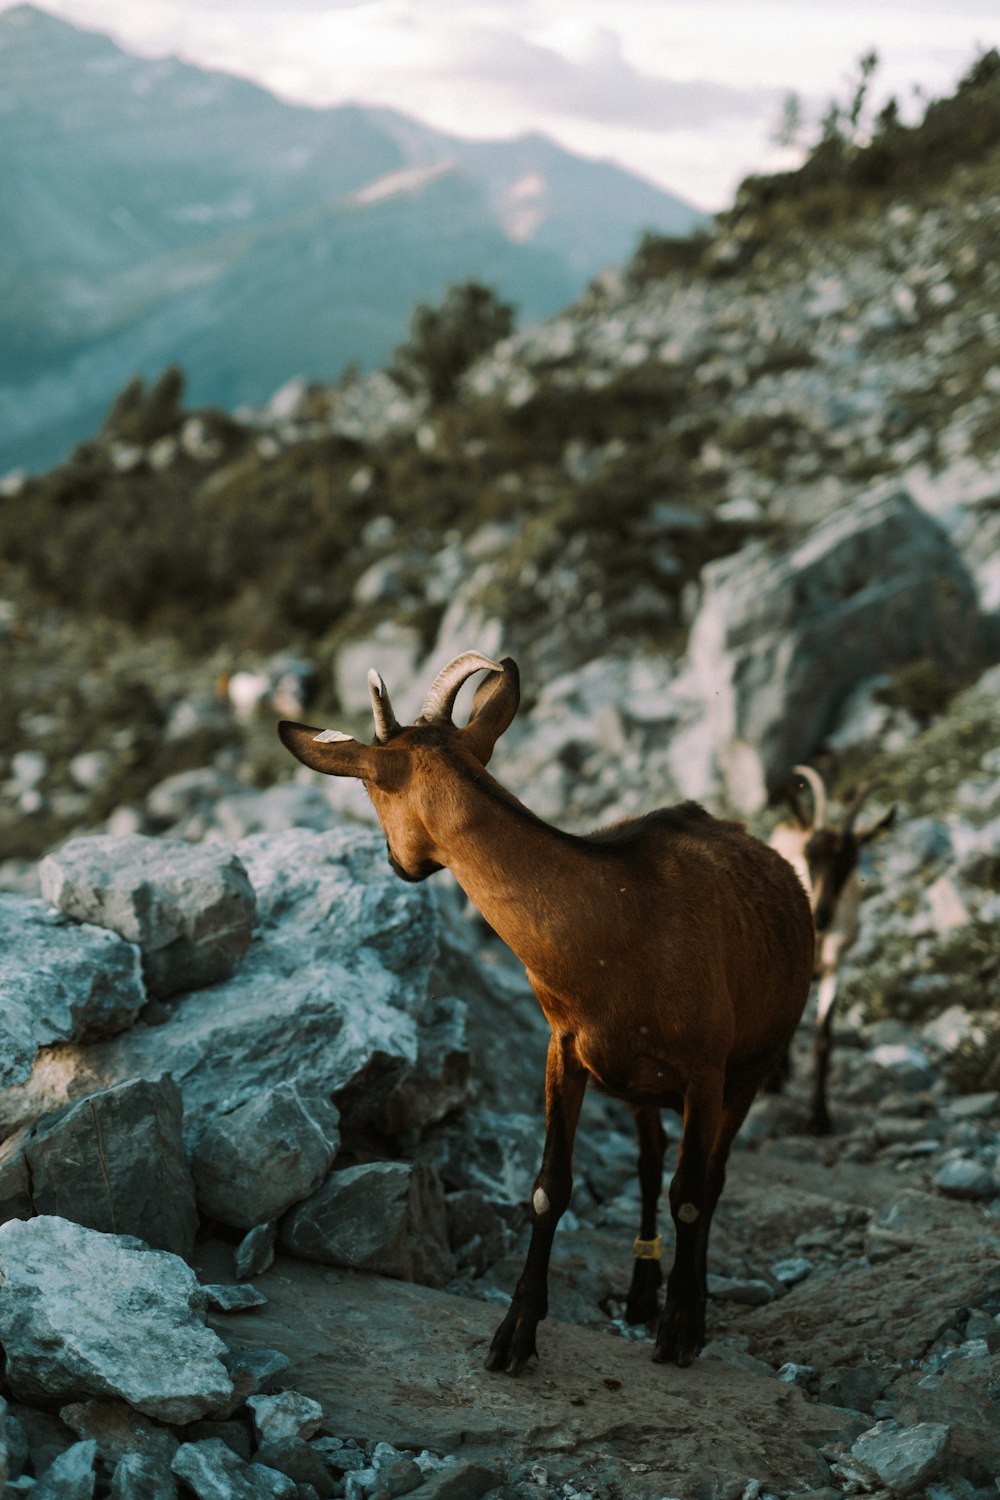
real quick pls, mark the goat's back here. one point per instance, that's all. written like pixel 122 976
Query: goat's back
pixel 730 929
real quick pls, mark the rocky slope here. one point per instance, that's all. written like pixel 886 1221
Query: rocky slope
pixel 726 516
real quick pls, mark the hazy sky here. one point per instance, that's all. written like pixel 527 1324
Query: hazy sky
pixel 685 92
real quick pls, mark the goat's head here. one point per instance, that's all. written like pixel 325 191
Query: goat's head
pixel 402 767
pixel 831 852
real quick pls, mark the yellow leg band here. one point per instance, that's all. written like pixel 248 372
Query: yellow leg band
pixel 647 1249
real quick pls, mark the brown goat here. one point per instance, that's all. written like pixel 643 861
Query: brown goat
pixel 825 858
pixel 671 954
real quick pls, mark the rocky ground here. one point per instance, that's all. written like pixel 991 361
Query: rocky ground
pixel 319 1059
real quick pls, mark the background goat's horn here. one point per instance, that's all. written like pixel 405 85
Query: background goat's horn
pixel 818 790
pixel 385 720
pixel 860 795
pixel 444 689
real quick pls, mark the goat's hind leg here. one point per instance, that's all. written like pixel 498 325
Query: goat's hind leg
pixel 565 1082
pixel 680 1333
pixel 643 1302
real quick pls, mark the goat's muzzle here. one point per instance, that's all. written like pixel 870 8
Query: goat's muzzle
pixel 413 877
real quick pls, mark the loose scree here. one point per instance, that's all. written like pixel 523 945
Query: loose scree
pixel 672 955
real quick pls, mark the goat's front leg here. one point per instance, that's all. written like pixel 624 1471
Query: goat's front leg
pixel 822 1046
pixel 643 1302
pixel 565 1082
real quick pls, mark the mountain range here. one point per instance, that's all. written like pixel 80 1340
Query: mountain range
pixel 153 212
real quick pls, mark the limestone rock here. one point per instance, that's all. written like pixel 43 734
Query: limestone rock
pixel 387 1217
pixel 254 1370
pixel 117 1430
pixel 232 1298
pixel 285 1415
pixel 189 907
pixel 903 1458
pixel 115 1161
pixel 139 1477
pixel 214 1472
pixel 781 638
pixel 253 1162
pixel 15 1183
pixel 464 1479
pixel 255 1252
pixel 71 1476
pixel 59 982
pixel 300 1461
pixel 963 1395
pixel 139 1334
pixel 963 1178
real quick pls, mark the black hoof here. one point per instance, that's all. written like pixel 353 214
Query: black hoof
pixel 680 1336
pixel 820 1123
pixel 513 1345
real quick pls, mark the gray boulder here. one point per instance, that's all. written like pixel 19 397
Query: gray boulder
pixel 332 895
pixel 255 1252
pixel 59 982
pixel 214 1472
pixel 904 1459
pixel 115 1162
pixel 140 1477
pixel 340 995
pixel 254 1161
pixel 139 1334
pixel 15 1183
pixel 117 1429
pixel 387 1217
pixel 71 1476
pixel 288 1414
pixel 962 1393
pixel 782 637
pixel 189 907
pixel 333 997
pixel 254 1370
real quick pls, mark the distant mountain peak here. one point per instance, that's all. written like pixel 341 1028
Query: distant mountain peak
pixel 32 20
pixel 164 213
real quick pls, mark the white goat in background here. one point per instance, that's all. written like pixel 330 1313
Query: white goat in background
pixel 825 858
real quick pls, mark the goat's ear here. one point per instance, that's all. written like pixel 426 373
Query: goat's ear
pixel 337 754
pixel 493 708
pixel 865 835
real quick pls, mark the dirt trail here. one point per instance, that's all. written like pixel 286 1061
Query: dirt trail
pixel 404 1364
pixel 893 1267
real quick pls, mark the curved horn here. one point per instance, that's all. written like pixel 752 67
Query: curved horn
pixel 818 790
pixel 386 723
pixel 444 689
pixel 862 793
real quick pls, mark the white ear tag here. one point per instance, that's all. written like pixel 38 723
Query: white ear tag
pixel 330 737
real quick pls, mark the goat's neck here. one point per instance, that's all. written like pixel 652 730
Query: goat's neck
pixel 520 873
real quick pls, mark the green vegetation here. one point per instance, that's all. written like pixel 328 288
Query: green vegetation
pixel 444 341
pixel 264 549
pixel 858 162
pixel 659 255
